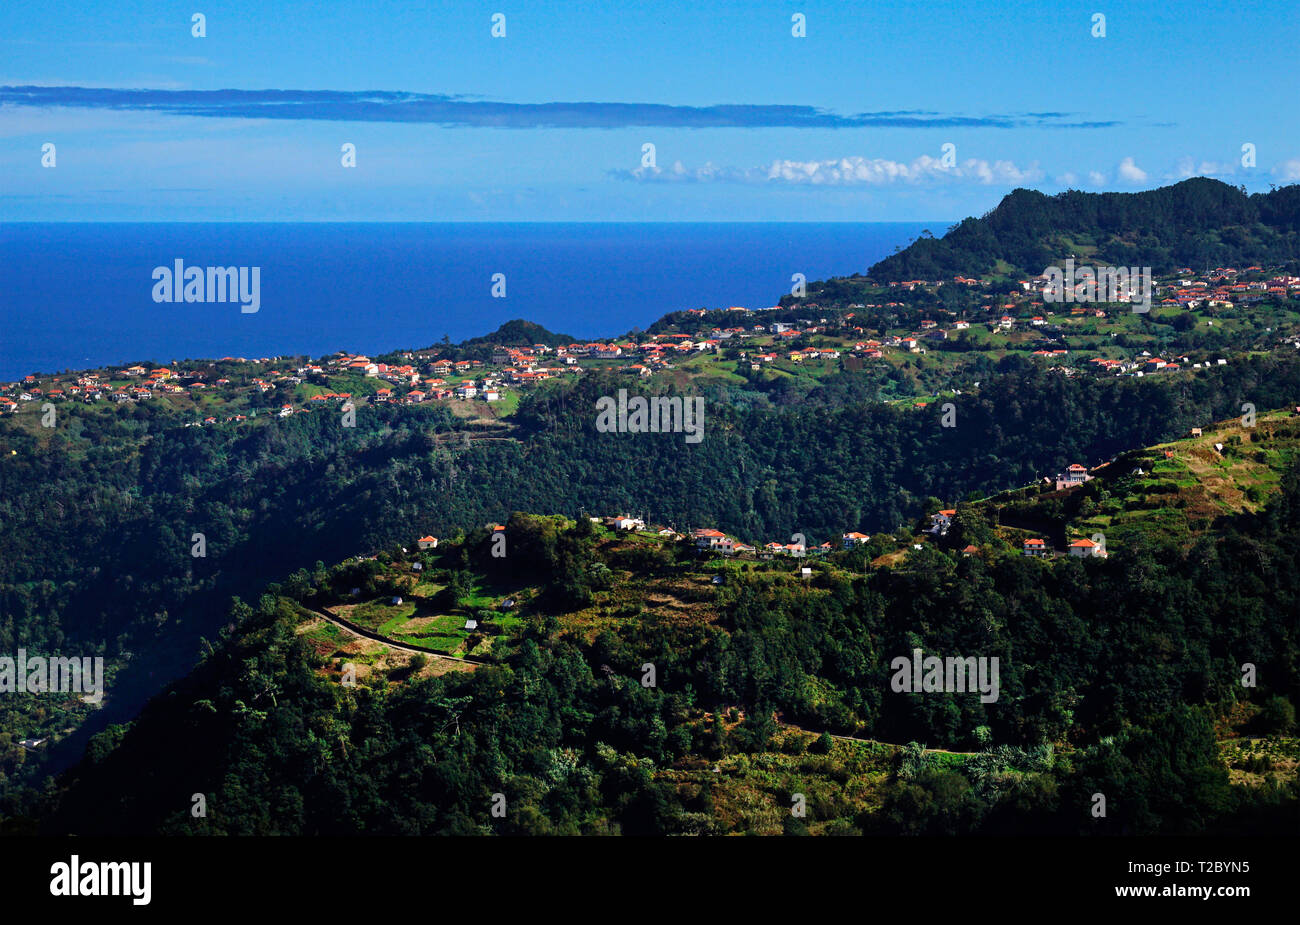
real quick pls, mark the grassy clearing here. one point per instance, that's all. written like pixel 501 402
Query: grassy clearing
pixel 755 793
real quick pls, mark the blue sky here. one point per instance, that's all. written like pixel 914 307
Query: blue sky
pixel 548 123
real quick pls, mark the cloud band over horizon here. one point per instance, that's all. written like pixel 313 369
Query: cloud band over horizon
pixel 845 171
pixel 450 110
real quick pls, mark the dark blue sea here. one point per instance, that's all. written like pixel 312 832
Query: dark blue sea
pixel 80 295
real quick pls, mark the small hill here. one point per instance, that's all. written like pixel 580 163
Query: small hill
pixel 520 333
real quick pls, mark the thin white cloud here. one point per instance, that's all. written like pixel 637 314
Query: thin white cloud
pixel 1130 172
pixel 848 171
pixel 1187 167
pixel 1288 170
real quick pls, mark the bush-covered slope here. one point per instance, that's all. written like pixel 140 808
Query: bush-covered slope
pixel 1118 676
pixel 1197 223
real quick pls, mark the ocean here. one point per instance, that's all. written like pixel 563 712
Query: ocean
pixel 81 295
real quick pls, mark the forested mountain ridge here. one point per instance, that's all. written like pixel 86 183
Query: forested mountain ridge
pixel 1197 223
pixel 99 518
pixel 563 726
pixel 114 573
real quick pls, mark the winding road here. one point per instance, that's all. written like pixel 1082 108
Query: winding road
pixel 384 640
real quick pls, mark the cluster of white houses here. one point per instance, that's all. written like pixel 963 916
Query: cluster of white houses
pixel 717 541
pixel 940 522
pixel 1220 287
pixel 1036 548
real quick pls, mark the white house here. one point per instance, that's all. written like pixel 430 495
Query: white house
pixel 1072 476
pixel 1084 548
pixel 713 539
pixel 1035 548
pixel 940 522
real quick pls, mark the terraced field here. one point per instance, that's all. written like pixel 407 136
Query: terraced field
pixel 1186 484
pixel 425 618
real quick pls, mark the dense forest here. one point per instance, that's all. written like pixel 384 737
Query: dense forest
pixel 1114 674
pixel 96 554
pixel 1199 223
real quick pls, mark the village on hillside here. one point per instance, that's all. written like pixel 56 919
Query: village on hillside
pixel 715 541
pixel 1071 338
pixel 1209 471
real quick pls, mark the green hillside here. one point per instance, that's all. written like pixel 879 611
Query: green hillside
pixel 1197 223
pixel 1172 492
pixel 642 686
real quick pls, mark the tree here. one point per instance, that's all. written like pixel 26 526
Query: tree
pixel 1277 716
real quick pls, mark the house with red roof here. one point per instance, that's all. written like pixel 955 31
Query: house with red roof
pixel 1085 549
pixel 1073 476
pixel 1035 548
pixel 941 521
pixel 713 539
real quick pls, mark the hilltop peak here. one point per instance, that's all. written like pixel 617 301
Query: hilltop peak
pixel 520 333
pixel 1197 222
